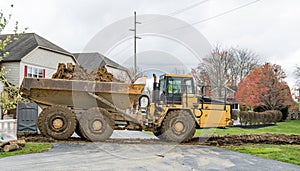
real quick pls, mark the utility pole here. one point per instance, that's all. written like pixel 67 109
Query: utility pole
pixel 134 39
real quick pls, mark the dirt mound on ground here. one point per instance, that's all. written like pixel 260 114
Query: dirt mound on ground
pixel 35 138
pixel 214 140
pixel 224 140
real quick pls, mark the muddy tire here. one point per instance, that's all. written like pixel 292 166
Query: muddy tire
pixel 178 126
pixel 78 129
pixel 96 124
pixel 41 124
pixel 57 122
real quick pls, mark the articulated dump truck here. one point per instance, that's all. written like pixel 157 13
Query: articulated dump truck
pixel 94 109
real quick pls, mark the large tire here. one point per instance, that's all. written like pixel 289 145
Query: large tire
pixel 96 125
pixel 78 129
pixel 178 126
pixel 41 124
pixel 57 122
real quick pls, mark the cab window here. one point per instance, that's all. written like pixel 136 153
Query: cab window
pixel 188 83
pixel 174 86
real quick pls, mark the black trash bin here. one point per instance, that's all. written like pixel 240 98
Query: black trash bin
pixel 27 114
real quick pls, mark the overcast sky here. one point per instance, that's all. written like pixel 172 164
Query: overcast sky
pixel 267 27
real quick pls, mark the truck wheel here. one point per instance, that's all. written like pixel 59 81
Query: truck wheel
pixel 78 129
pixel 96 125
pixel 178 126
pixel 57 122
pixel 41 125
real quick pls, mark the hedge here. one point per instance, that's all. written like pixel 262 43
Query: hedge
pixel 257 118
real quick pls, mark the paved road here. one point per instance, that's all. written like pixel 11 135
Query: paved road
pixel 125 134
pixel 109 156
pixel 121 134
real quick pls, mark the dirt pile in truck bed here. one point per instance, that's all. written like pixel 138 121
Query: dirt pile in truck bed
pixel 76 72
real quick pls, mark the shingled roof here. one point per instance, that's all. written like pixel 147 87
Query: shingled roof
pixel 26 43
pixel 91 61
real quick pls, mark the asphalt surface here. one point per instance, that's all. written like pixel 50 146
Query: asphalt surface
pixel 113 156
pixel 125 134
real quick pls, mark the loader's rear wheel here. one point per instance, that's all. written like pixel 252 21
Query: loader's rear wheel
pixel 178 126
pixel 57 122
pixel 96 125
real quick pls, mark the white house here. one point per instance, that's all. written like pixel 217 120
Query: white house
pixel 32 56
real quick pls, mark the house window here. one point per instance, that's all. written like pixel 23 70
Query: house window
pixel 34 72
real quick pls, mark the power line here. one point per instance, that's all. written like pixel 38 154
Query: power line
pixel 187 8
pixel 177 11
pixel 226 12
pixel 123 50
pixel 216 16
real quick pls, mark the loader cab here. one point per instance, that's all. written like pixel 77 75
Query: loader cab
pixel 173 86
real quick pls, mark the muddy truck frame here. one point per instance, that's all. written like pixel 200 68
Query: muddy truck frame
pixel 94 109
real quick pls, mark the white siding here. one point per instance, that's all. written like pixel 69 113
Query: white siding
pixel 13 69
pixel 44 59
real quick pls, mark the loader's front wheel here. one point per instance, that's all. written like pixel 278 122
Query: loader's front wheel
pixel 96 125
pixel 178 126
pixel 57 122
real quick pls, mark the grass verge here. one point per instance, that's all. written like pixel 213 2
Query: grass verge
pixel 287 127
pixel 29 148
pixel 284 153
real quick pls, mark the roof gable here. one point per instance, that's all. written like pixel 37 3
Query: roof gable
pixel 26 43
pixel 91 61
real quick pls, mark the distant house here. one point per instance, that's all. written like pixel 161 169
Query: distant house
pixel 33 56
pixel 91 61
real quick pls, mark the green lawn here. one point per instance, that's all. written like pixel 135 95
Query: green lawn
pixel 284 153
pixel 287 127
pixel 30 147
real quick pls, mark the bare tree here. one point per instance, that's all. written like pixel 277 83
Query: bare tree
pixel 224 67
pixel 244 60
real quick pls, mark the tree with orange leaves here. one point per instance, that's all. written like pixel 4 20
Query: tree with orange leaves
pixel 265 87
